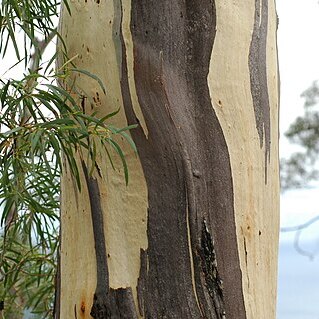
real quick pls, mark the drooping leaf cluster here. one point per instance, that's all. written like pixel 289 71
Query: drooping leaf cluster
pixel 32 18
pixel 43 127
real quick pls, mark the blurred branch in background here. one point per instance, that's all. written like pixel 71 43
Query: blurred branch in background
pixel 298 229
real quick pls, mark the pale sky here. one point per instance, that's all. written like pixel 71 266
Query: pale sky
pixel 299 65
pixel 298 54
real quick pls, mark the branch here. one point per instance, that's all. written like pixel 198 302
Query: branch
pixel 299 249
pixel 35 58
pixel 299 227
pixel 40 47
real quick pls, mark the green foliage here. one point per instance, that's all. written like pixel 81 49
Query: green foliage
pixel 42 125
pixel 301 167
pixel 29 276
pixel 31 17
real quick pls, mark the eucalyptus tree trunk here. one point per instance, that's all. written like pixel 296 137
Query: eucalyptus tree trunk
pixel 195 232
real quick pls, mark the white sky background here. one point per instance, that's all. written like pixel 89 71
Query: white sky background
pixel 298 47
pixel 298 55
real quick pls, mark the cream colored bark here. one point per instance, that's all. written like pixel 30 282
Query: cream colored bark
pixel 90 36
pixel 256 203
pixel 125 207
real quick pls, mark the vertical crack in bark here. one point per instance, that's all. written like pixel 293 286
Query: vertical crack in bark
pixel 258 76
pixel 189 236
pixel 214 283
pixel 246 261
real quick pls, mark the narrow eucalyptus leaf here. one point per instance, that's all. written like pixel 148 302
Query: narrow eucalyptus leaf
pixel 91 75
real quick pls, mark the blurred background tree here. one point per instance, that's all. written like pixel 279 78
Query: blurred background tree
pixel 301 168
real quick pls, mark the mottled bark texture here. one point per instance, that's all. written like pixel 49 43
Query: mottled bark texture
pixel 186 165
pixel 201 229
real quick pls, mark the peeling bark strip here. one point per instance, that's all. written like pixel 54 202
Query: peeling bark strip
pixel 107 303
pixel 186 165
pixel 258 74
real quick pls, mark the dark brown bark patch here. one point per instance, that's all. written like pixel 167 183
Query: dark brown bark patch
pixel 258 75
pixel 122 303
pixel 98 232
pixel 115 304
pixel 186 165
pixel 141 284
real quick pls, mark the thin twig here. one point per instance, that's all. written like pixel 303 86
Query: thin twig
pixel 298 248
pixel 299 227
pixel 40 47
pixel 35 59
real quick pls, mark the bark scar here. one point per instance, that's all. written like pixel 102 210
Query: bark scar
pixel 214 283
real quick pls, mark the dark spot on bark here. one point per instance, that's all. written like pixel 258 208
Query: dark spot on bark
pixel 82 306
pixel 83 102
pixel 97 99
pixel 259 233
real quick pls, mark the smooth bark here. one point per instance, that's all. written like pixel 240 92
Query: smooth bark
pixel 195 233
